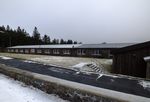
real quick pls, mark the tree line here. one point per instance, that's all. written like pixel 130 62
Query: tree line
pixel 12 37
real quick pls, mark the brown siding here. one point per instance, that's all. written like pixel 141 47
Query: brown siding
pixel 131 62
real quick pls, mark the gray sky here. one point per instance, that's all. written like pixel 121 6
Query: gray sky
pixel 88 21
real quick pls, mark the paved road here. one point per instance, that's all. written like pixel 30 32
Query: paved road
pixel 121 84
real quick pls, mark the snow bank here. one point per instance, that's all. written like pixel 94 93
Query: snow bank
pixel 5 58
pixel 14 91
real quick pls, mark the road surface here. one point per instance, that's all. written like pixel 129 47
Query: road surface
pixel 121 84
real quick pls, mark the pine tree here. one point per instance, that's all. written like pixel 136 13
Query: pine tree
pixel 69 42
pixel 8 28
pixel 2 28
pixel 46 39
pixel 54 41
pixel 14 37
pixel 57 41
pixel 75 42
pixel 62 41
pixel 18 29
pixel 36 36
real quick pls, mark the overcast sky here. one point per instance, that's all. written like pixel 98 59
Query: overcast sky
pixel 88 21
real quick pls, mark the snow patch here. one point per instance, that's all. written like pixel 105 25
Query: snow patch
pixel 147 58
pixel 80 65
pixel 109 75
pixel 109 61
pixel 145 84
pixel 100 75
pixel 5 58
pixel 15 91
pixel 77 72
pixel 113 76
pixel 27 61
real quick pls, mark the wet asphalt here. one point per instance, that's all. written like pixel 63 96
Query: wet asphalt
pixel 121 84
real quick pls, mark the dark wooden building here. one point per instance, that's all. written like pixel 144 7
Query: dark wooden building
pixel 76 50
pixel 103 50
pixel 130 60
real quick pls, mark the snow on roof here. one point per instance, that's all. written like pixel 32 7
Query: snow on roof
pixel 47 46
pixel 147 58
pixel 105 45
pixel 134 47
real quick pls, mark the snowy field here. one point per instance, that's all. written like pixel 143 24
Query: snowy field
pixel 66 62
pixel 14 91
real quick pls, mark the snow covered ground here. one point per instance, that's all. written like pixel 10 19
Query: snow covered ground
pixel 66 62
pixel 5 58
pixel 14 91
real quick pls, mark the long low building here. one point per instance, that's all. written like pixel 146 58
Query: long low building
pixel 103 50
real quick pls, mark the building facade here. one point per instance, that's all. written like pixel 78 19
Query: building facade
pixel 75 50
pixel 130 60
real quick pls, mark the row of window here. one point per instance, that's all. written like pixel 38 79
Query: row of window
pixel 55 51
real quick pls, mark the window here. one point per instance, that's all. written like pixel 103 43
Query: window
pixel 39 51
pixel 66 52
pixel 21 51
pixel 55 51
pixel 16 50
pixel 81 52
pixel 32 50
pixel 47 51
pixel 12 50
pixel 8 50
pixel 96 52
pixel 110 55
pixel 26 50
